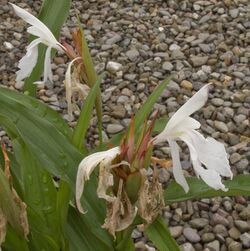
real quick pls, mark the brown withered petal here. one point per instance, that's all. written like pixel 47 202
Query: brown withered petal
pixel 120 212
pixel 3 223
pixel 21 222
pixel 23 213
pixel 150 201
pixel 162 162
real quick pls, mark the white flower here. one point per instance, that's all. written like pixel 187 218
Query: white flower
pixel 207 152
pixel 87 166
pixel 45 36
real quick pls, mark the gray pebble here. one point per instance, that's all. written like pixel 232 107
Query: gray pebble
pixel 198 223
pixel 132 54
pixel 191 234
pixel 221 126
pixel 198 60
pixel 245 239
pixel 114 128
pixel 243 226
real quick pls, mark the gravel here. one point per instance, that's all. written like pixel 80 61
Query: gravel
pixel 139 43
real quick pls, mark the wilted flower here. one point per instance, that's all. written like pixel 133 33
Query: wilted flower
pixel 123 180
pixel 45 36
pixel 74 86
pixel 208 152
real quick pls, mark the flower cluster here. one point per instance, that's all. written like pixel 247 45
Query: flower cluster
pixel 126 165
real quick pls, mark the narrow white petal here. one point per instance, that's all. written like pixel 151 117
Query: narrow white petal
pixel 212 154
pixel 68 86
pixel 177 170
pixel 42 30
pixel 193 104
pixel 87 166
pixel 28 61
pixel 47 74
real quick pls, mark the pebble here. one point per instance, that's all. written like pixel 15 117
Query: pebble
pixel 198 61
pixel 167 66
pixel 114 39
pixel 217 101
pixel 198 223
pixel 221 126
pixel 207 237
pixel 214 245
pixel 114 128
pixel 245 240
pixel 235 157
pixel 176 231
pixel 191 235
pixel 113 67
pixel 243 226
pixel 132 54
pixel 186 84
pixel 187 247
pixel 235 246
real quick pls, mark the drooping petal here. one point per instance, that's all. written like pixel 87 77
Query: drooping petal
pixel 87 166
pixel 41 29
pixel 210 175
pixel 47 74
pixel 177 170
pixel 68 86
pixel 212 179
pixel 212 154
pixel 28 61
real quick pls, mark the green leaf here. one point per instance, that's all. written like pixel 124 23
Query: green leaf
pixel 240 185
pixel 85 116
pixel 159 234
pixel 55 153
pixel 147 107
pixel 13 241
pixel 53 14
pixel 124 240
pixel 92 79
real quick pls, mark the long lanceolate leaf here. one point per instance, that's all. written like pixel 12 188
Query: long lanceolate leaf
pixel 55 153
pixel 53 13
pixel 85 116
pixel 159 234
pixel 239 185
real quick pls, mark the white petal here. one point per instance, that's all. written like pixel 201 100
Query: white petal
pixel 181 121
pixel 68 86
pixel 175 132
pixel 28 62
pixel 42 30
pixel 192 105
pixel 213 179
pixel 87 166
pixel 212 154
pixel 177 170
pixel 210 176
pixel 47 74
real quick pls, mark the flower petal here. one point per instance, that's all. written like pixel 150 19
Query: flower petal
pixel 47 74
pixel 41 29
pixel 187 124
pixel 212 154
pixel 28 61
pixel 68 86
pixel 210 176
pixel 87 166
pixel 177 170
